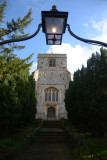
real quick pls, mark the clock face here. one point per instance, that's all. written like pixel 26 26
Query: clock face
pixel 43 74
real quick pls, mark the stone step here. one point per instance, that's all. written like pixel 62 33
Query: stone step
pixel 51 138
pixel 50 135
pixel 51 132
pixel 50 141
pixel 51 124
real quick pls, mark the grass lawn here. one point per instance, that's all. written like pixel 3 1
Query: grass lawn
pixel 96 144
pixel 17 139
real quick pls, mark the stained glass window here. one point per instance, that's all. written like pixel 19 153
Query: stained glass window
pixel 51 95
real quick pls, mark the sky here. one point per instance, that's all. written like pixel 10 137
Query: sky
pixel 87 19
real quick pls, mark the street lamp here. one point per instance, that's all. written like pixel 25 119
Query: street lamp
pixel 54 24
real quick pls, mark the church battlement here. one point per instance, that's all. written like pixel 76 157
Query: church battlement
pixel 51 55
pixel 49 61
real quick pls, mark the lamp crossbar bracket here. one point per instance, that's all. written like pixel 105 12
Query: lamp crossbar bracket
pixel 94 42
pixel 22 39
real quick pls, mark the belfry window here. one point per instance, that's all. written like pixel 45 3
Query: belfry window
pixel 52 63
pixel 51 95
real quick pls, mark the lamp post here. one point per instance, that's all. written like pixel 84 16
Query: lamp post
pixel 54 24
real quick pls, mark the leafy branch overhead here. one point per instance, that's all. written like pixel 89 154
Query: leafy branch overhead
pixel 14 27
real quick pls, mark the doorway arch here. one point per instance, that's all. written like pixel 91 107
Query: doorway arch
pixel 51 113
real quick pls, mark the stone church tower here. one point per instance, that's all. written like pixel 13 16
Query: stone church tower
pixel 52 80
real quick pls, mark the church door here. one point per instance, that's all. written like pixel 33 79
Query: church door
pixel 51 113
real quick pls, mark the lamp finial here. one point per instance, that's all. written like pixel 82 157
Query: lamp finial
pixel 54 8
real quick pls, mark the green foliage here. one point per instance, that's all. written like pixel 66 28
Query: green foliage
pixel 18 139
pixel 86 97
pixel 17 87
pixel 96 145
pixel 7 142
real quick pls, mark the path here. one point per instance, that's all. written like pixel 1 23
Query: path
pixel 38 151
pixel 51 142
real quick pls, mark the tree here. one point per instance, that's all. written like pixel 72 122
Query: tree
pixel 17 88
pixel 86 96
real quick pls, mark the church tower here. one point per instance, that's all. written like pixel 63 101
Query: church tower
pixel 52 80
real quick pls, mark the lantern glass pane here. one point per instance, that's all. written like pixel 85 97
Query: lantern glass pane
pixel 57 42
pixel 50 36
pixel 58 36
pixel 50 42
pixel 54 25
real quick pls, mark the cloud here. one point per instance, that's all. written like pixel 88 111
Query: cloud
pixel 33 67
pixel 76 56
pixel 102 28
pixel 85 24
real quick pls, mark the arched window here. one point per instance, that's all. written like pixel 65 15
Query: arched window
pixel 51 95
pixel 52 63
